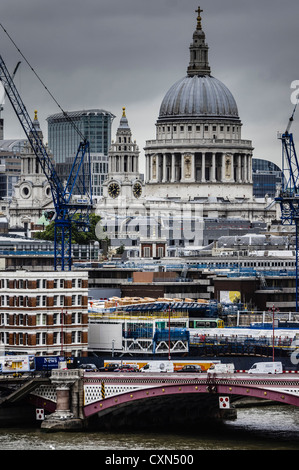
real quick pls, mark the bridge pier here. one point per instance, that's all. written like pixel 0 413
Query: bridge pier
pixel 69 395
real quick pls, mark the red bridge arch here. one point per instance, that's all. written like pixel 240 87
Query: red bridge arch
pixel 286 392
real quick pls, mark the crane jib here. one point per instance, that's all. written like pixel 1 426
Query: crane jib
pixel 67 209
pixel 28 127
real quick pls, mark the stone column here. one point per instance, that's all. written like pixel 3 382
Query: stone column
pixel 239 169
pixel 203 167
pixel 250 168
pixel 154 167
pixel 223 167
pixel 164 160
pixel 213 173
pixel 182 167
pixel 130 163
pixel 146 169
pixel 172 167
pixel 159 168
pixel 149 168
pixel 193 167
pixel 245 169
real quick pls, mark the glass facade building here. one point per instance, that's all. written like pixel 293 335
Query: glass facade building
pixel 266 176
pixel 64 139
pixel 94 124
pixel 10 166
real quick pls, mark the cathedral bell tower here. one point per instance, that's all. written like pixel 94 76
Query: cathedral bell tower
pixel 124 180
pixel 32 193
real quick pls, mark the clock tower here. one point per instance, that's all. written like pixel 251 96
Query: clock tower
pixel 124 180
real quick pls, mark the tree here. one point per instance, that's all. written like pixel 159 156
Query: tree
pixel 120 250
pixel 80 237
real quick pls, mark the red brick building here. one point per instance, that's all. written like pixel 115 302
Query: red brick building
pixel 44 312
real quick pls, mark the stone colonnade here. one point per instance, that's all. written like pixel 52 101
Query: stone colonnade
pixel 123 163
pixel 199 167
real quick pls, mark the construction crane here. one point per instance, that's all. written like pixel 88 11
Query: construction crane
pixel 13 76
pixel 68 209
pixel 288 197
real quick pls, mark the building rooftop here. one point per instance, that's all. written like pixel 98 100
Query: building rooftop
pixel 12 145
pixel 78 114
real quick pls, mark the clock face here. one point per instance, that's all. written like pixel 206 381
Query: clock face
pixel 113 190
pixel 137 190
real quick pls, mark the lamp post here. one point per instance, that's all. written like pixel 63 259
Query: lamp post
pixel 169 333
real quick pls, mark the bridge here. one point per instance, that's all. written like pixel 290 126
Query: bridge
pixel 74 399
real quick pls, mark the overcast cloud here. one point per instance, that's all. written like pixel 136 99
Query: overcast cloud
pixel 113 53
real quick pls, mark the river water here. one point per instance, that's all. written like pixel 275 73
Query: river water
pixel 261 428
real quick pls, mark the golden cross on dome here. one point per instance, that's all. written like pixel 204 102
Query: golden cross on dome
pixel 198 11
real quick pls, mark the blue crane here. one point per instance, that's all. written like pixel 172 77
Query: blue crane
pixel 13 74
pixel 288 197
pixel 73 200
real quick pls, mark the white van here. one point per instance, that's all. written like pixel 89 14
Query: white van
pixel 158 366
pixel 266 368
pixel 222 369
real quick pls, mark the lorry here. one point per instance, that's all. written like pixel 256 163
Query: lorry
pixel 222 368
pixel 16 364
pixel 158 366
pixel 266 368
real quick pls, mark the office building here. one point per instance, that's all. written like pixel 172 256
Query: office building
pixel 65 134
pixel 266 177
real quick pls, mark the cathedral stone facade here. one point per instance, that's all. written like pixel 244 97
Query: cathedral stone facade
pixel 198 150
pixel 32 194
pixel 198 161
pixel 198 166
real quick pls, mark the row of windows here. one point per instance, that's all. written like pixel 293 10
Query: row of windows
pixel 199 128
pixel 98 179
pixel 124 139
pixel 59 318
pixel 40 283
pixel 253 264
pixel 40 338
pixel 147 252
pixel 41 300
pixel 100 168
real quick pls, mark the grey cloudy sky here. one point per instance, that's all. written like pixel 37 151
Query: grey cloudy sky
pixel 114 53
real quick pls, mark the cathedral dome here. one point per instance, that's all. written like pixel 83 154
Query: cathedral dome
pixel 198 96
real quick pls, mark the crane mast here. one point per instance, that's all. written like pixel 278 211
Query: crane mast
pixel 288 197
pixel 69 210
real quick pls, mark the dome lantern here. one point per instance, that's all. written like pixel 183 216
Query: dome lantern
pixel 199 62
